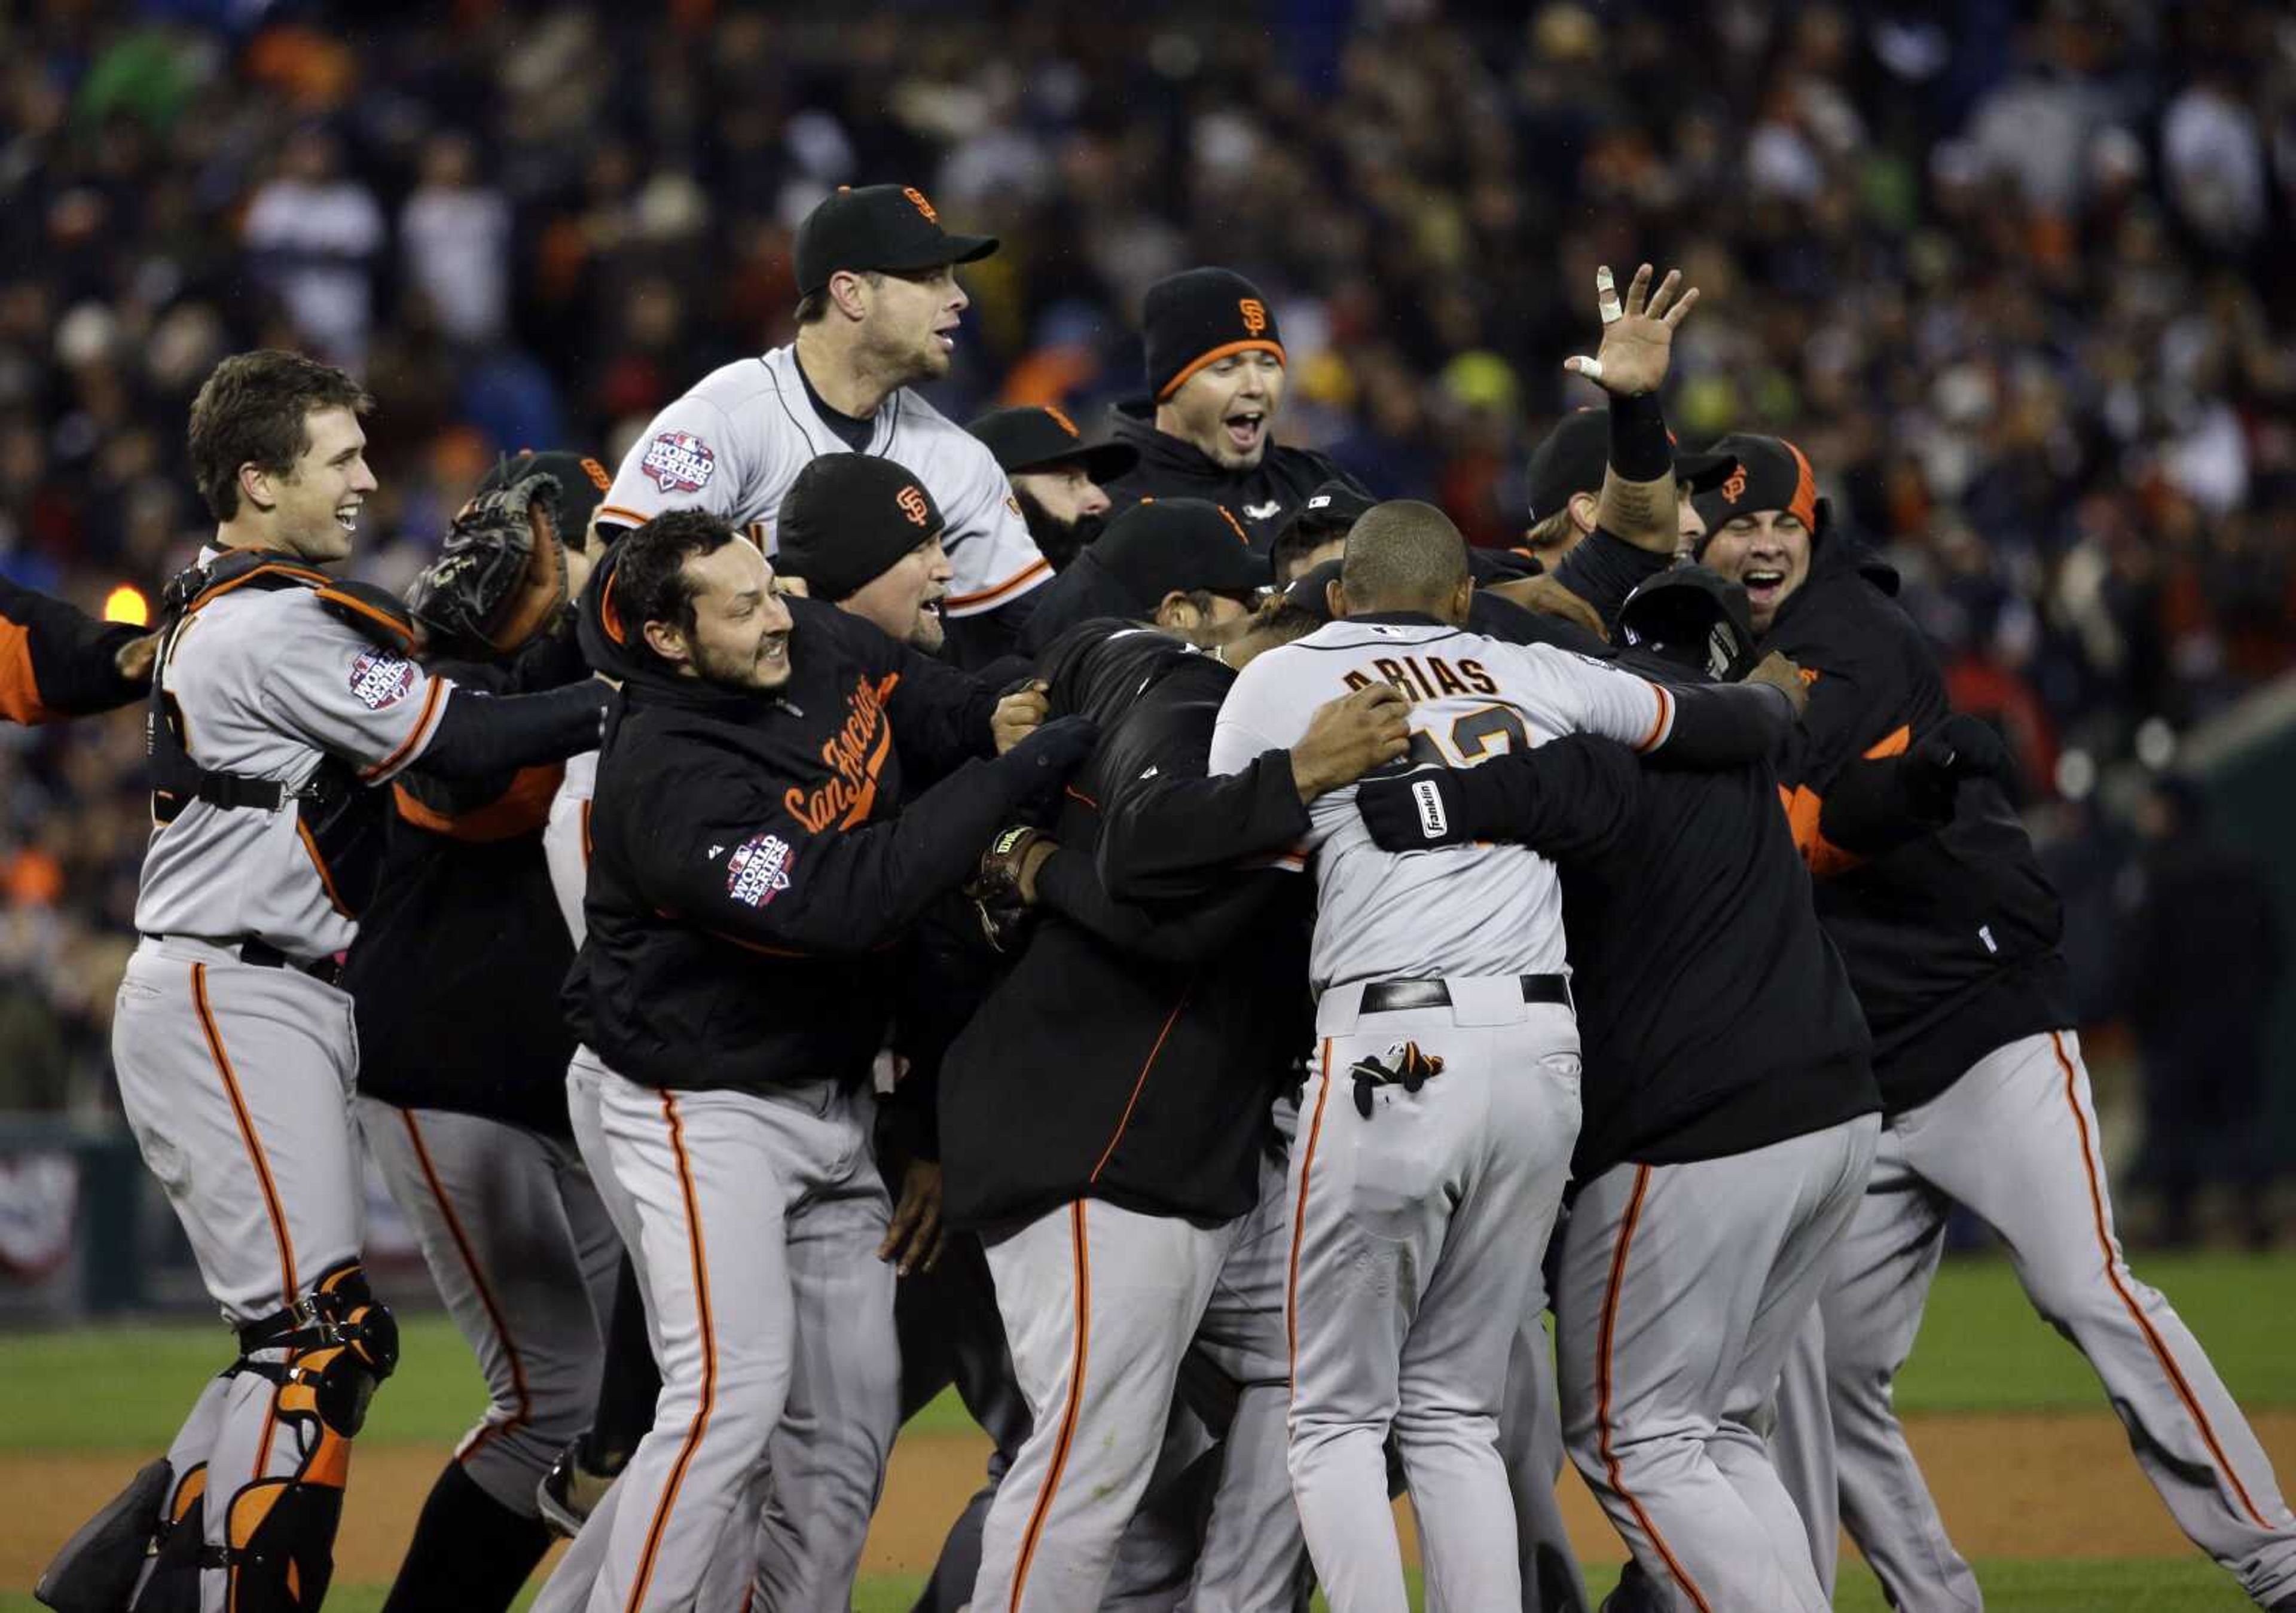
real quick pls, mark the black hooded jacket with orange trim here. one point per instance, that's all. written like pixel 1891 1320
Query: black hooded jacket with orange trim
pixel 755 856
pixel 1263 498
pixel 57 661
pixel 1951 940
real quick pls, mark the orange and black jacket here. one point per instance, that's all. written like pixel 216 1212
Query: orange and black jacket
pixel 462 950
pixel 1135 1051
pixel 754 857
pixel 57 661
pixel 1951 937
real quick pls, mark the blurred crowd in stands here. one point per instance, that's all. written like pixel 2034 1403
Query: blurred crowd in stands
pixel 2015 274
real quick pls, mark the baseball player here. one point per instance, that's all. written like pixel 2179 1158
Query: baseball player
pixel 750 854
pixel 1060 479
pixel 280 698
pixel 1207 428
pixel 1145 1045
pixel 1951 944
pixel 1725 1142
pixel 1182 557
pixel 465 1115
pixel 1421 1197
pixel 879 315
pixel 56 661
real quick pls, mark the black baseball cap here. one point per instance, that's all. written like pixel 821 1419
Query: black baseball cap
pixel 1311 590
pixel 1743 472
pixel 1166 545
pixel 1035 436
pixel 582 484
pixel 1572 458
pixel 1694 617
pixel 847 519
pixel 1333 508
pixel 878 226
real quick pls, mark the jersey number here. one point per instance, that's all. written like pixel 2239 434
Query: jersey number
pixel 1471 738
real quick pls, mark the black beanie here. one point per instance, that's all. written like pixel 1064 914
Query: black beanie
pixel 847 519
pixel 1197 316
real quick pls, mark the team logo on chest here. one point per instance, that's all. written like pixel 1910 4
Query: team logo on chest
pixel 856 755
pixel 758 870
pixel 679 463
pixel 381 678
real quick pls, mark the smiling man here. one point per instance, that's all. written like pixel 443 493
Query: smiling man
pixel 877 314
pixel 863 534
pixel 1206 430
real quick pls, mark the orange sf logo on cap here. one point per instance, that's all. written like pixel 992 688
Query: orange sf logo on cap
pixel 1735 488
pixel 1063 421
pixel 1255 315
pixel 911 500
pixel 596 473
pixel 917 200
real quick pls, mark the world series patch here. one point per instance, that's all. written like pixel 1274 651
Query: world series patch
pixel 679 461
pixel 759 870
pixel 381 678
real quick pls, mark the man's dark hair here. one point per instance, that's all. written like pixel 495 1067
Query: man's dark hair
pixel 813 307
pixel 1284 621
pixel 251 411
pixel 1302 535
pixel 1403 555
pixel 650 576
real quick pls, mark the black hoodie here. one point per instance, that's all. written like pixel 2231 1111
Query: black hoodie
pixel 1951 940
pixel 1263 498
pixel 753 855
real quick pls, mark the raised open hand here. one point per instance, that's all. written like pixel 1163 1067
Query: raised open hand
pixel 1637 335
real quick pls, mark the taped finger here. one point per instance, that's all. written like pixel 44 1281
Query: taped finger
pixel 1606 296
pixel 1591 368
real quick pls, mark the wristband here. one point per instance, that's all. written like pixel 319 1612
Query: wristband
pixel 1641 451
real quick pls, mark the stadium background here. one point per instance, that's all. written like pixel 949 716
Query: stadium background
pixel 2013 275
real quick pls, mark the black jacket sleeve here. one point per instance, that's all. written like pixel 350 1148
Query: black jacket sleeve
pixel 1725 725
pixel 58 661
pixel 479 737
pixel 1570 798
pixel 720 850
pixel 1169 839
pixel 1605 568
pixel 941 716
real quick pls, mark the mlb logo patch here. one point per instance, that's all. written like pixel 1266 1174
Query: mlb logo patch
pixel 381 678
pixel 759 870
pixel 679 463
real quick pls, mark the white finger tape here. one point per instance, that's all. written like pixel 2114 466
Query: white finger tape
pixel 1591 368
pixel 1606 296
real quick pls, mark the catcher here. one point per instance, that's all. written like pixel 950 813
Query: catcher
pixel 465 1112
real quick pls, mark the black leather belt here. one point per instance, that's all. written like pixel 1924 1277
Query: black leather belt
pixel 1385 996
pixel 327 970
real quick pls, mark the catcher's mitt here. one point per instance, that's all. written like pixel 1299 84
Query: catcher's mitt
pixel 500 578
pixel 995 888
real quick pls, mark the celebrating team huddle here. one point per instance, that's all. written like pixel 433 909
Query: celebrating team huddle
pixel 1198 959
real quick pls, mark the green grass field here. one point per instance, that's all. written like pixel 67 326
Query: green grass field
pixel 1981 1350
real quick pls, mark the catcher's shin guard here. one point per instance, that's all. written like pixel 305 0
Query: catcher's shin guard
pixel 338 1343
pixel 177 1549
pixel 96 1570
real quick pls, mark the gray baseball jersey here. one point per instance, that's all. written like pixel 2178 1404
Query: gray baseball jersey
pixel 735 442
pixel 1471 910
pixel 268 684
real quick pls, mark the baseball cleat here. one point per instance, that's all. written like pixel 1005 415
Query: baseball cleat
pixel 570 1491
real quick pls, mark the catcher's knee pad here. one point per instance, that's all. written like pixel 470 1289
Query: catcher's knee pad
pixel 338 1342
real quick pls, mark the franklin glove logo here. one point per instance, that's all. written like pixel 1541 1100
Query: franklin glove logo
pixel 1427 795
